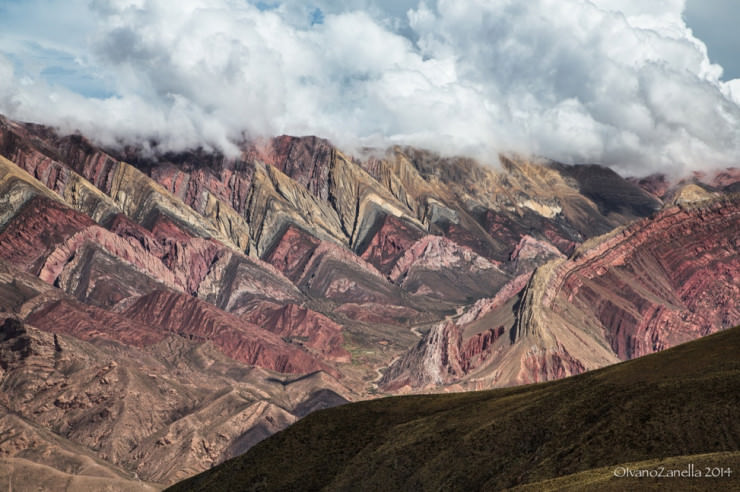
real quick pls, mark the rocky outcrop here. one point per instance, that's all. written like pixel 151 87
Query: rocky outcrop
pixel 640 289
pixel 457 346
pixel 531 252
pixel 76 191
pixel 301 325
pixel 75 168
pixel 326 270
pixel 89 323
pixel 436 266
pixel 388 242
pixel 670 279
pixel 307 161
pixel 170 312
pixel 39 226
pixel 17 187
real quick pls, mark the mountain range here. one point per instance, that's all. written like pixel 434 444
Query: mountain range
pixel 163 313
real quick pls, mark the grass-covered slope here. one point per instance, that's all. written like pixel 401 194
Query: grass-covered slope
pixel 677 403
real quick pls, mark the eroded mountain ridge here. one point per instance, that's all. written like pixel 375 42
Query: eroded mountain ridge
pixel 237 295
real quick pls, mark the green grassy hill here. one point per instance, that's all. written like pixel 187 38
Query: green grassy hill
pixel 662 408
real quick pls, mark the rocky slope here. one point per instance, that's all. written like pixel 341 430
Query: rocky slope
pixel 237 295
pixel 162 412
pixel 657 283
pixel 643 411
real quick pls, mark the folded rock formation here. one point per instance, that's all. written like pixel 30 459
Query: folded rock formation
pixel 161 314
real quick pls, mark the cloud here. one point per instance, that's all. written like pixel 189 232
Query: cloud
pixel 623 83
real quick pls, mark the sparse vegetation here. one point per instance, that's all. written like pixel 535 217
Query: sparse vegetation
pixel 672 405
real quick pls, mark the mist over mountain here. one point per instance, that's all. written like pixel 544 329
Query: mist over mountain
pixel 625 84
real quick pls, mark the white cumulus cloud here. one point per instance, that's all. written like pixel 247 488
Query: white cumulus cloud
pixel 624 83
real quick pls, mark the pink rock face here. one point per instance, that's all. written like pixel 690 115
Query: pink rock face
pixel 531 252
pixel 446 355
pixel 478 348
pixel 726 178
pixel 311 329
pixel 530 248
pixel 40 226
pixel 297 254
pixel 46 236
pixel 190 258
pixel 226 184
pixel 170 312
pixel 133 254
pixel 660 282
pixel 292 252
pixel 548 364
pixel 324 269
pixel 436 253
pixel 305 159
pixel 389 243
pixel 470 239
pixel 133 232
pixel 508 233
pixel 88 322
pixel 53 174
pixel 437 267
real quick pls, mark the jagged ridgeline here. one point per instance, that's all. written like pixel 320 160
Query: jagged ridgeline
pixel 166 313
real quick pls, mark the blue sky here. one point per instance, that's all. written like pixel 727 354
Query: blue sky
pixel 639 85
pixel 716 23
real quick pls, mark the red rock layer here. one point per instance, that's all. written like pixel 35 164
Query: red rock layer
pixel 478 348
pixel 438 267
pixel 229 185
pixel 301 324
pixel 541 365
pixel 660 282
pixel 46 235
pixel 88 322
pixel 292 251
pixel 445 355
pixel 324 269
pixel 307 160
pixel 389 242
pixel 41 224
pixel 240 340
pixel 507 231
pixel 434 253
